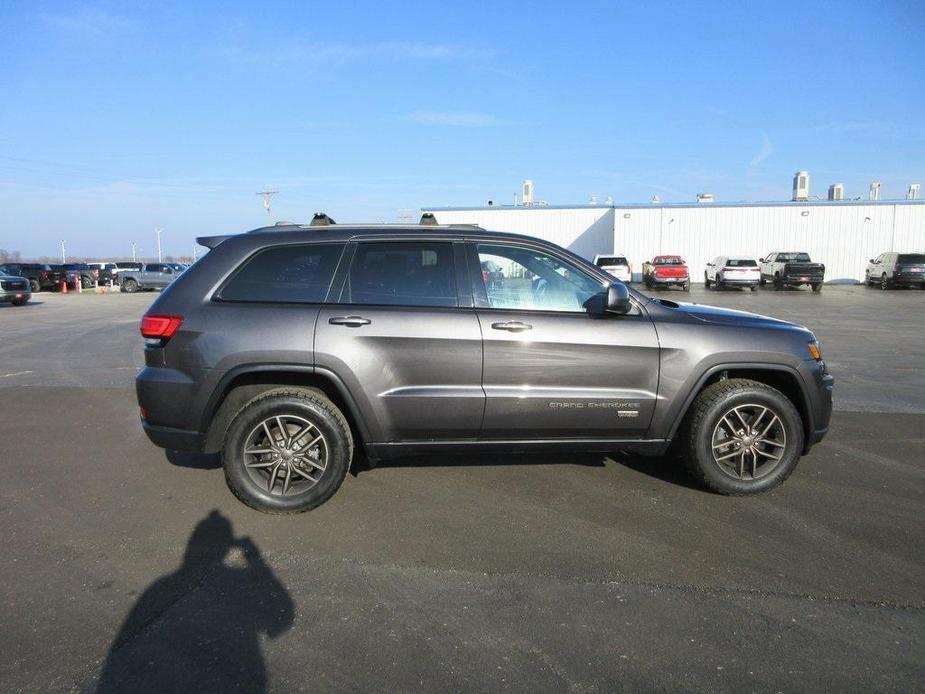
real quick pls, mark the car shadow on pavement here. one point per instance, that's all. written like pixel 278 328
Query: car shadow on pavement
pixel 200 628
pixel 361 463
pixel 197 461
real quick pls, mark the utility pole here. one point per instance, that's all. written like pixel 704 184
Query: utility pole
pixel 267 194
pixel 194 252
pixel 134 259
pixel 63 251
pixel 159 231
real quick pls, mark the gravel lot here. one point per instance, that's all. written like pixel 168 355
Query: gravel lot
pixel 574 573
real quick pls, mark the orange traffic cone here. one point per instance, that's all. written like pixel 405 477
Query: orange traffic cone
pixel 64 286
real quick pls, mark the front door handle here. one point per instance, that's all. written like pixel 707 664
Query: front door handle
pixel 350 321
pixel 514 326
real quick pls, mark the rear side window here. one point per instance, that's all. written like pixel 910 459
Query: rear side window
pixel 911 258
pixel 285 274
pixel 402 273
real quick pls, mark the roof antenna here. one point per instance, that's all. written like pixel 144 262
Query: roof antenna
pixel 428 220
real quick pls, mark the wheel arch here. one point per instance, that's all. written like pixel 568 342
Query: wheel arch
pixel 779 376
pixel 243 383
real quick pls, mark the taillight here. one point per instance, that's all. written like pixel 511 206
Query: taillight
pixel 154 327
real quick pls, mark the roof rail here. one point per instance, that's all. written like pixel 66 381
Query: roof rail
pixel 428 220
pixel 321 220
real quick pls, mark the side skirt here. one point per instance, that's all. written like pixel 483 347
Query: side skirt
pixel 389 450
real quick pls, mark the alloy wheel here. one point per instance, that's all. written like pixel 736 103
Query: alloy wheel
pixel 285 455
pixel 749 441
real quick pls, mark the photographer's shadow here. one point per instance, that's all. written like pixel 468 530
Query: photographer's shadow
pixel 200 627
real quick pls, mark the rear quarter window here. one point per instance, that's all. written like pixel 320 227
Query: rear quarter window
pixel 285 274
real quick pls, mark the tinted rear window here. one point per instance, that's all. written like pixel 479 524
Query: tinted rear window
pixel 668 261
pixel 608 260
pixel 793 257
pixel 285 274
pixel 402 273
pixel 912 258
pixel 741 262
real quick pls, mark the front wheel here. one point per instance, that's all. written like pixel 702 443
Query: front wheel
pixel 706 281
pixel 884 282
pixel 778 283
pixel 287 451
pixel 754 287
pixel 19 302
pixel 817 287
pixel 742 437
pixel 35 286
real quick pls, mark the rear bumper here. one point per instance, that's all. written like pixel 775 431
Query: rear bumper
pixel 740 281
pixel 909 280
pixel 802 279
pixel 668 280
pixel 173 439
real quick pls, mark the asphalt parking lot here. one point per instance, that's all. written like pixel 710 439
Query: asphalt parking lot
pixel 575 573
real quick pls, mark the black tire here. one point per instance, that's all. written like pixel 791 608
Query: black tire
pixel 706 281
pixel 686 287
pixel 754 287
pixel 762 281
pixel 304 404
pixel 884 282
pixel 778 283
pixel 130 286
pixel 817 287
pixel 35 286
pixel 704 417
pixel 18 302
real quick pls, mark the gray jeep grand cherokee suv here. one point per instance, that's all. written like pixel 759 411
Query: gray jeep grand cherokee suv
pixel 286 347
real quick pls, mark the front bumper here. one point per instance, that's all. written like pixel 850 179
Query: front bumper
pixel 821 385
pixel 7 295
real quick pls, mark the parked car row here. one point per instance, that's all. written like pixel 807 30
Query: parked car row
pixel 50 276
pixel 781 269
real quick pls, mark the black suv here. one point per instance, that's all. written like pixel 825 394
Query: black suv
pixel 285 347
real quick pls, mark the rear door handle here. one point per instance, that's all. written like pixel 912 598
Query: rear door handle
pixel 350 321
pixel 514 326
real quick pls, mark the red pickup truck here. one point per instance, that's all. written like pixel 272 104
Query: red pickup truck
pixel 667 271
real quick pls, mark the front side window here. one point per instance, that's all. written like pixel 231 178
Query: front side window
pixel 285 274
pixel 531 280
pixel 402 273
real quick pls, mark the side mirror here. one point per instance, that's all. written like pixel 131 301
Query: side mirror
pixel 615 300
pixel 871 261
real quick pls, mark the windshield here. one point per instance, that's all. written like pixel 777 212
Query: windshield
pixel 741 262
pixel 793 257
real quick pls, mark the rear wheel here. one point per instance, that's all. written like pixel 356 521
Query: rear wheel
pixel 130 286
pixel 287 451
pixel 817 287
pixel 706 281
pixel 686 286
pixel 742 437
pixel 35 286
pixel 18 302
pixel 754 287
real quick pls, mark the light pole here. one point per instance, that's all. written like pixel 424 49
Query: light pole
pixel 267 194
pixel 134 259
pixel 63 251
pixel 159 231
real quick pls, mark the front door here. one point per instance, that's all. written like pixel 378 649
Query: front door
pixel 405 341
pixel 551 370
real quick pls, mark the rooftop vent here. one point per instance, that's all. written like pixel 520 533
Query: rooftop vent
pixel 321 220
pixel 705 197
pixel 801 186
pixel 837 191
pixel 284 224
pixel 428 220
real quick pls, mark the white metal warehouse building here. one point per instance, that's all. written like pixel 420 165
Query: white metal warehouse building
pixel 842 234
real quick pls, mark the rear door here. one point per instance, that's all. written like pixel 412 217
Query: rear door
pixel 405 340
pixel 550 369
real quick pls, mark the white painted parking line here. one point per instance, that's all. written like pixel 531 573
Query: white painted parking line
pixel 15 373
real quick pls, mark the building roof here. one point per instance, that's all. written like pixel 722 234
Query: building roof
pixel 676 205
